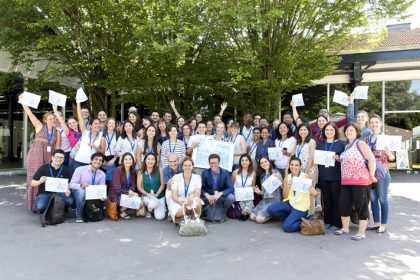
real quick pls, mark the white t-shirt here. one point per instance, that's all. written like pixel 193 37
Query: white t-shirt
pixel 289 144
pixel 85 152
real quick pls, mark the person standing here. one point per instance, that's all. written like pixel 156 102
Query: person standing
pixel 379 191
pixel 47 139
pixel 356 179
pixel 330 176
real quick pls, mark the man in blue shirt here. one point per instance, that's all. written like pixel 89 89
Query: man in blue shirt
pixel 173 168
pixel 216 184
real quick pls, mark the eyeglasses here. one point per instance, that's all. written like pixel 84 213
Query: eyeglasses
pixel 62 158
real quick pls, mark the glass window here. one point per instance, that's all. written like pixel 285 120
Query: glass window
pixel 402 95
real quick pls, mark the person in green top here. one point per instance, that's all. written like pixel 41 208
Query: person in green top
pixel 150 185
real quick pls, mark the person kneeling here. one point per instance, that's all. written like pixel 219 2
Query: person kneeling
pixel 123 182
pixel 217 190
pixel 186 190
pixel 83 177
pixel 296 203
pixel 54 169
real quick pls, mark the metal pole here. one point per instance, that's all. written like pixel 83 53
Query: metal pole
pixel 25 138
pixel 383 105
pixel 328 97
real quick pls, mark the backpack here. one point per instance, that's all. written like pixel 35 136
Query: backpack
pixel 54 213
pixel 215 213
pixel 93 210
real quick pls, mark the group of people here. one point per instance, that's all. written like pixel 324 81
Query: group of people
pixel 150 157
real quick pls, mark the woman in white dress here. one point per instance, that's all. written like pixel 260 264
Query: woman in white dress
pixel 186 191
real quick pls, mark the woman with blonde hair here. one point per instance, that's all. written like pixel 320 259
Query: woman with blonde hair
pixel 47 139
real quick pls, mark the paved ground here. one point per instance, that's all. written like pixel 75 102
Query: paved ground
pixel 150 249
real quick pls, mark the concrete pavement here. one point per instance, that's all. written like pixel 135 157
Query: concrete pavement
pixel 142 248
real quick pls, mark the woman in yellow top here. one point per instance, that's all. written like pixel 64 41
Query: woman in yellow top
pixel 296 201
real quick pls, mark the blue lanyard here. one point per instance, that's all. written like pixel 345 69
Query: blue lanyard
pixel 128 180
pixel 265 176
pixel 242 179
pixel 326 145
pixel 251 129
pixel 49 136
pixel 299 149
pixel 254 145
pixel 93 178
pixel 149 150
pixel 221 139
pixel 132 144
pixel 373 145
pixel 90 137
pixel 185 142
pixel 87 124
pixel 186 187
pixel 230 139
pixel 294 192
pixel 170 148
pixel 281 142
pixel 151 183
pixel 59 172
pixel 109 141
pixel 349 146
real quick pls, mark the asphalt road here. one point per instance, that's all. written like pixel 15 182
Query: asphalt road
pixel 150 249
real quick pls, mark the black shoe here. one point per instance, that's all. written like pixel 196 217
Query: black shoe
pixel 372 228
pixel 243 218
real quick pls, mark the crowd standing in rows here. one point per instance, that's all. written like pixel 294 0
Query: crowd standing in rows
pixel 150 158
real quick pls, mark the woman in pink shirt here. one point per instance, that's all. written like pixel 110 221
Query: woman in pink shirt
pixel 356 179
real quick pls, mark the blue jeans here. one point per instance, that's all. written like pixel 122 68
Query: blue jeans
pixel 79 197
pixel 227 201
pixel 293 217
pixel 42 200
pixel 379 199
pixel 109 170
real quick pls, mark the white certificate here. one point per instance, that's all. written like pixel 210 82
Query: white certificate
pixel 361 92
pixel 56 185
pixel 207 147
pixel 56 98
pixel 392 142
pixel 324 158
pixel 244 194
pixel 130 202
pixel 81 96
pixel 29 99
pixel 95 192
pixel 402 159
pixel 271 184
pixel 341 98
pixel 298 100
pixel 301 184
pixel 275 153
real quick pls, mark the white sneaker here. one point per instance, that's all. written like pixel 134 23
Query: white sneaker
pixel 79 221
pixel 148 215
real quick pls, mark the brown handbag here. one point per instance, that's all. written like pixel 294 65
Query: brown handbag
pixel 312 227
pixel 111 210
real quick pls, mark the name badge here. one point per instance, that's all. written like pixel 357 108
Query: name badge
pixel 48 149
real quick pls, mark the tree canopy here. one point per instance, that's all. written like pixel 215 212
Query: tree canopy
pixel 197 52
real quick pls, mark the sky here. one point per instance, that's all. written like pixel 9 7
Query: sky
pixel 415 11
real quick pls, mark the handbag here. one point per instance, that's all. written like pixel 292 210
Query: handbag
pixel 190 226
pixel 312 227
pixel 379 170
pixel 75 149
pixel 235 211
pixel 111 210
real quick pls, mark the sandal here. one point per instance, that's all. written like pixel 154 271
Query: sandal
pixel 124 216
pixel 358 237
pixel 340 232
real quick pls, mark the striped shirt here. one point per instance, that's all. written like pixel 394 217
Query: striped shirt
pixel 168 147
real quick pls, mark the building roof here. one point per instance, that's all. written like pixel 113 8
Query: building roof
pixel 392 40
